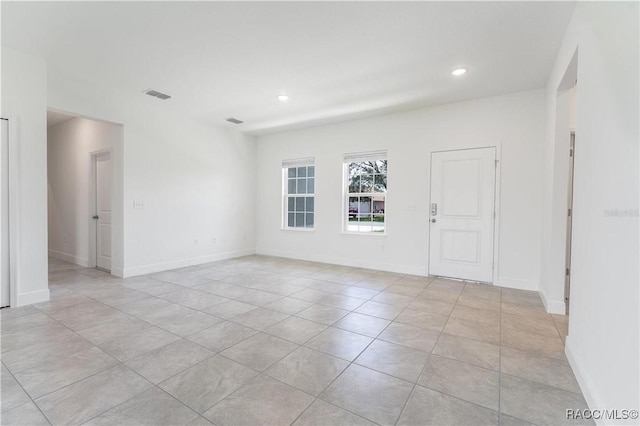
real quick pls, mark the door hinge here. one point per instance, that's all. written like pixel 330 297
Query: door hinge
pixel 567 271
pixel 568 212
pixel 571 152
pixel 496 164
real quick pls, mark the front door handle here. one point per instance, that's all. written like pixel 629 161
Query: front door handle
pixel 96 217
pixel 433 221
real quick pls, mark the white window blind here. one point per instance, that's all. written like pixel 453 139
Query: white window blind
pixel 298 162
pixel 365 156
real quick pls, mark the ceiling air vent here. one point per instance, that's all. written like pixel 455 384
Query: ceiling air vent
pixel 234 120
pixel 157 94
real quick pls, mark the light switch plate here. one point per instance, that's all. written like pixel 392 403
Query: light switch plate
pixel 139 205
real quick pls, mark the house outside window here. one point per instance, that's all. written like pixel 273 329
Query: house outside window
pixel 299 194
pixel 365 192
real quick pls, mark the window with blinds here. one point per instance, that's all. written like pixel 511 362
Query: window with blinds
pixel 299 179
pixel 365 192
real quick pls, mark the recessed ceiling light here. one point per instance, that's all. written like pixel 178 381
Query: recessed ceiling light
pixel 283 98
pixel 459 71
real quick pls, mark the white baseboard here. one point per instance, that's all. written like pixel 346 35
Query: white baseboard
pixel 553 306
pixel 586 386
pixel 174 264
pixel 387 267
pixel 32 297
pixel 517 283
pixel 82 261
pixel 117 271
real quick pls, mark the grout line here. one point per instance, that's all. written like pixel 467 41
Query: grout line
pixel 26 393
pixel 406 403
pixel 297 271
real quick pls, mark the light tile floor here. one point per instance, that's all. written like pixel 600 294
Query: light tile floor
pixel 261 340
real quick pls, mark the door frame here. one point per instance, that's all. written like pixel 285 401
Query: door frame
pixel 93 200
pixel 496 206
pixel 567 277
pixel 14 207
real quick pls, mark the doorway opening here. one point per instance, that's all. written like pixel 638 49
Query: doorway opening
pixel 84 159
pixel 100 247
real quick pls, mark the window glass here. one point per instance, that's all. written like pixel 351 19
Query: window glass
pixel 366 188
pixel 299 198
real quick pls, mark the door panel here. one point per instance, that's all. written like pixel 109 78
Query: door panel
pixel 462 214
pixel 4 214
pixel 103 211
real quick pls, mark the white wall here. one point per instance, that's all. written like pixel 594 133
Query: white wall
pixel 514 122
pixel 24 101
pixel 69 148
pixel 196 179
pixel 604 321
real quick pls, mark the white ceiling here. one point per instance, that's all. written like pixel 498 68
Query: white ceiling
pixel 335 60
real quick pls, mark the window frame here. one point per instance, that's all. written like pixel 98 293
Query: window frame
pixel 286 165
pixel 348 159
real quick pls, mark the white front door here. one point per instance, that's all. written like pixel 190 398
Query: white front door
pixel 462 214
pixel 103 211
pixel 4 214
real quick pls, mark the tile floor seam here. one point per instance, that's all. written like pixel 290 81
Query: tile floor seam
pixel 427 360
pixel 68 356
pixel 540 383
pixel 179 372
pixel 205 347
pixel 150 323
pixel 31 400
pixel 90 376
pixel 351 362
pixel 317 398
pixel 135 396
pixel 555 324
pixel 118 362
pixel 350 276
pixel 532 331
pixel 156 385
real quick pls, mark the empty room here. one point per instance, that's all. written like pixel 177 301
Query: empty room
pixel 320 213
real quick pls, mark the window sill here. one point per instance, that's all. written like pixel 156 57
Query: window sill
pixel 298 229
pixel 366 234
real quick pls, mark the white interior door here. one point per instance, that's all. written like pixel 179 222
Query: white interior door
pixel 462 214
pixel 4 215
pixel 103 211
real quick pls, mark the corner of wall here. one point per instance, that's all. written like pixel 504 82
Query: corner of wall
pixel 587 387
pixel 552 306
pixel 181 263
pixel 32 297
pixel 82 261
pixel 518 283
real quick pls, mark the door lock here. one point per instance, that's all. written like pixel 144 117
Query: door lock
pixel 434 209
